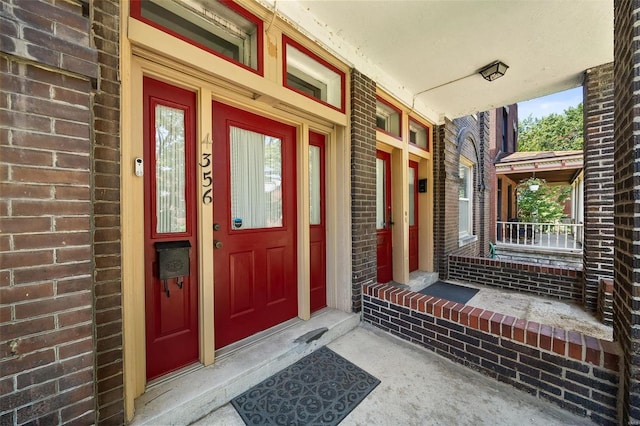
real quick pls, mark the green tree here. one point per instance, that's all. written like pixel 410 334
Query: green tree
pixel 544 205
pixel 554 132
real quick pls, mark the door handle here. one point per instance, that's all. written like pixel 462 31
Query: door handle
pixel 217 244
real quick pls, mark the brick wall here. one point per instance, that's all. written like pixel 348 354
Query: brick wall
pixel 363 185
pixel 627 214
pixel 466 137
pixel 46 307
pixel 106 210
pixel 556 282
pixel 575 371
pixel 598 180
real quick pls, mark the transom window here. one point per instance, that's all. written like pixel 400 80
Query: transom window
pixel 418 135
pixel 310 75
pixel 218 26
pixel 388 118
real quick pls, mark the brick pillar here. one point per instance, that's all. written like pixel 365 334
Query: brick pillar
pixel 445 174
pixel 598 181
pixel 106 210
pixel 486 232
pixel 363 185
pixel 627 203
pixel 47 348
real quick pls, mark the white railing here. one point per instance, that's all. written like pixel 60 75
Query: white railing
pixel 563 236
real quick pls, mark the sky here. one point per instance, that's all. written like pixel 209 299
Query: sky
pixel 555 103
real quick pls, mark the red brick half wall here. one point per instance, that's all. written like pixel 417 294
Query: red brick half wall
pixel 575 371
pixel 563 283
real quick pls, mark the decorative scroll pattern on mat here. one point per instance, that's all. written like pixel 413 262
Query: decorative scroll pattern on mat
pixel 320 389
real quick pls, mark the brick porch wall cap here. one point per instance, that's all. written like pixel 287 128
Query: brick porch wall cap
pixel 607 283
pixel 557 340
pixel 518 265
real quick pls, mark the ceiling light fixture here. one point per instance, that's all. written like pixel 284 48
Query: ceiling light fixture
pixel 494 70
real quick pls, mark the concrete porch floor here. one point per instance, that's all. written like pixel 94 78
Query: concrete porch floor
pixel 419 387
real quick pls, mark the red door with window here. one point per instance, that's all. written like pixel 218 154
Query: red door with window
pixel 254 216
pixel 383 217
pixel 318 246
pixel 170 230
pixel 413 216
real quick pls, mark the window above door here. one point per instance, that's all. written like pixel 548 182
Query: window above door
pixel 418 135
pixel 388 118
pixel 220 27
pixel 312 76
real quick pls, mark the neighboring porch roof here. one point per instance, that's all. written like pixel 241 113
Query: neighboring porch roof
pixel 427 53
pixel 552 166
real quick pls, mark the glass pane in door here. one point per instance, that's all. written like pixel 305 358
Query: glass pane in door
pixel 171 210
pixel 314 185
pixel 256 180
pixel 412 198
pixel 381 201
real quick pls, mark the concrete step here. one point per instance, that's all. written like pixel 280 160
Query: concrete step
pixel 417 281
pixel 199 391
pixel 420 279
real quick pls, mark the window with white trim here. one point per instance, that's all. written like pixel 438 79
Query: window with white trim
pixel 310 75
pixel 465 199
pixel 418 135
pixel 220 27
pixel 388 118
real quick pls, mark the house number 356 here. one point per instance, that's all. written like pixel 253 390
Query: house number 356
pixel 207 180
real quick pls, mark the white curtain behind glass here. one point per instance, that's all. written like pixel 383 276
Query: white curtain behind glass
pixel 412 196
pixel 314 185
pixel 380 193
pixel 256 180
pixel 170 170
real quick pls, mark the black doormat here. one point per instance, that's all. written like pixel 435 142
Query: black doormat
pixel 320 389
pixel 448 291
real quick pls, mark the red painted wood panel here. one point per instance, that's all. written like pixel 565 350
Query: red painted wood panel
pixel 384 246
pixel 251 296
pixel 317 237
pixel 171 321
pixel 413 229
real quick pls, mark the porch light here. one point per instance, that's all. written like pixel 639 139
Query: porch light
pixel 493 71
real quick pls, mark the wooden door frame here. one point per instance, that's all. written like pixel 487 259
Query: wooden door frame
pixel 338 199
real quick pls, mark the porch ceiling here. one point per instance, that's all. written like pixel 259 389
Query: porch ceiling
pixel 427 53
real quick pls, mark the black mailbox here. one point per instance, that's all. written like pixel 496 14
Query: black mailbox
pixel 422 185
pixel 173 259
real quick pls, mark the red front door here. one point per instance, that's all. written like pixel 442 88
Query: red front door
pixel 413 216
pixel 383 216
pixel 318 247
pixel 254 215
pixel 171 268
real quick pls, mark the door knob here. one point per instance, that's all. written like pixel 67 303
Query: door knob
pixel 216 226
pixel 217 244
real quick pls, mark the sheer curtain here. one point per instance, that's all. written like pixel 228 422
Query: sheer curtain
pixel 314 185
pixel 412 196
pixel 170 170
pixel 380 193
pixel 256 180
